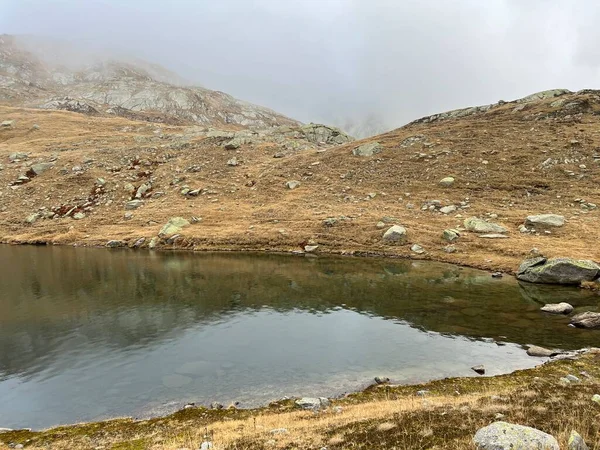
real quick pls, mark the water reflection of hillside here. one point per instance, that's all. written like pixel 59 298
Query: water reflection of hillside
pixel 63 298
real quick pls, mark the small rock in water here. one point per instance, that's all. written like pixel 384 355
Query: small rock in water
pixel 557 308
pixel 534 350
pixel 382 380
pixel 508 436
pixel 480 369
pixel 310 248
pixel 576 442
pixel 586 319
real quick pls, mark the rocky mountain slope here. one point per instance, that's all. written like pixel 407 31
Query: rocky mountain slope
pixel 136 90
pixel 69 178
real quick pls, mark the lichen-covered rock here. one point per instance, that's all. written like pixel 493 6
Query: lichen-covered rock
pixel 576 442
pixel 396 233
pixel 173 226
pixel 369 149
pixel 450 235
pixel 586 319
pixel 558 271
pixel 323 134
pixel 545 221
pixel 508 436
pixel 478 225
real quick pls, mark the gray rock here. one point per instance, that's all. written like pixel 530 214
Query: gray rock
pixel 557 271
pixel 493 236
pixel 216 405
pixel 586 319
pixel 382 380
pixel 233 162
pixel 478 225
pixel 450 235
pixel 313 403
pixel 572 379
pixel 235 143
pixel 17 156
pixel 480 369
pixel 32 218
pixel 279 431
pixel 596 398
pixel 310 248
pixel 141 191
pixel 576 442
pixel 78 216
pixel 369 149
pixel 318 134
pixel 40 168
pixel 115 244
pixel 545 221
pixel 416 248
pixel 134 204
pixel 139 243
pixel 380 225
pixel 541 352
pixel 448 209
pixel 395 233
pixel 508 436
pixel 557 308
pixel 129 188
pixel 7 124
pixel 153 242
pixel 450 249
pixel 206 445
pixel 173 226
pixel 292 184
pixel 447 182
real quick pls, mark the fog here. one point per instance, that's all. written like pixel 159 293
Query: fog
pixel 366 65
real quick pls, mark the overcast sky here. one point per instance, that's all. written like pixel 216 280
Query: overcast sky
pixel 327 60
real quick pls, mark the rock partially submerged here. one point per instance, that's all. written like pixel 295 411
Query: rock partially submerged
pixel 541 352
pixel 586 319
pixel 557 308
pixel 558 270
pixel 508 436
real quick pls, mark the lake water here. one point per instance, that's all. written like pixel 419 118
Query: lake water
pixel 87 334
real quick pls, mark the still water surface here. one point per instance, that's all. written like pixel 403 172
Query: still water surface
pixel 87 334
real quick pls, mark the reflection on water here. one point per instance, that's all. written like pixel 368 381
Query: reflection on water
pixel 87 333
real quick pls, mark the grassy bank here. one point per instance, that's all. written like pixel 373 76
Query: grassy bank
pixel 446 417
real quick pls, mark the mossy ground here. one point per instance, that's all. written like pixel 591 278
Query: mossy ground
pixel 393 417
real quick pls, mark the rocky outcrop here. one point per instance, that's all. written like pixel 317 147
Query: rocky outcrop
pixel 508 436
pixel 558 271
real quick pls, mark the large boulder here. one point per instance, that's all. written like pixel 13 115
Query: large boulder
pixel 173 226
pixel 558 270
pixel 586 319
pixel 323 134
pixel 396 233
pixel 508 436
pixel 368 149
pixel 545 221
pixel 478 225
pixel 40 168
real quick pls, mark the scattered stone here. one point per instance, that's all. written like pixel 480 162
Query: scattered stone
pixel 508 436
pixel 478 225
pixel 596 398
pixel 576 442
pixel 233 162
pixel 100 181
pixel 480 369
pixel 78 216
pixel 450 235
pixel 450 249
pixel 310 248
pixel 545 220
pixel 292 184
pixel 557 270
pixel 369 149
pixel 32 218
pixel 330 222
pixel 493 236
pixel 235 143
pixel 448 209
pixel 380 225
pixel 195 219
pixel 586 319
pixel 395 233
pixel 572 378
pixel 216 405
pixel 279 431
pixel 541 352
pixel 279 155
pixel 13 157
pixel 128 216
pixel 40 168
pixel 447 182
pixel 422 393
pixel 497 275
pixel 382 380
pixel 7 124
pixel 134 204
pixel 114 244
pixel 139 243
pixel 153 242
pixel 206 445
pixel 557 308
pixel 129 188
pixel 313 403
pixel 173 227
pixel 141 191
pixel 416 248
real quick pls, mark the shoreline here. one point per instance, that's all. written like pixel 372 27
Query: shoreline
pixel 583 363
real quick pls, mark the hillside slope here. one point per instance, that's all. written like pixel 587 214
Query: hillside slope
pixel 106 86
pixel 508 160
